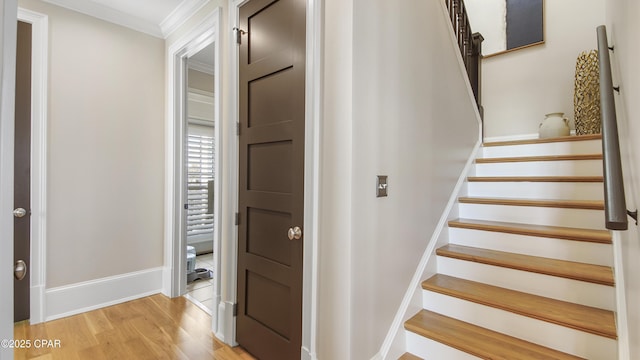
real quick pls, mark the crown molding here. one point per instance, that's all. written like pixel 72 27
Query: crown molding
pixel 200 66
pixel 180 15
pixel 111 15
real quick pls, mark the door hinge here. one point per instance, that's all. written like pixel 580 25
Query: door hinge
pixel 235 309
pixel 239 33
pixel 237 219
pixel 238 128
pixel 186 206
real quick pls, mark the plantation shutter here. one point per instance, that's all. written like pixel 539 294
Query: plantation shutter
pixel 200 170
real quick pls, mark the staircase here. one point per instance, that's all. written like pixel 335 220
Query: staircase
pixel 527 272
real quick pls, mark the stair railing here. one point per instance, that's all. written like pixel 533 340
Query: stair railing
pixel 470 45
pixel 615 207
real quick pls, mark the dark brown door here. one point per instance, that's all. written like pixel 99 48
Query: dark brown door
pixel 272 114
pixel 22 172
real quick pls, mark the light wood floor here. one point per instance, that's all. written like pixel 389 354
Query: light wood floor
pixel 155 327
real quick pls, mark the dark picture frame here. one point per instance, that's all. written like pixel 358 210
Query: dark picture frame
pixel 525 23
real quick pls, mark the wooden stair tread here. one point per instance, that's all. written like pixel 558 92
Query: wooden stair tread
pixel 580 317
pixel 543 141
pixel 588 179
pixel 478 341
pixel 539 158
pixel 596 274
pixel 566 204
pixel 556 232
pixel 408 356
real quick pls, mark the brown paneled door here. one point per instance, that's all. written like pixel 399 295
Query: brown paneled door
pixel 272 115
pixel 22 174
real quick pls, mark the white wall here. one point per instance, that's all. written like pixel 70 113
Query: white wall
pixel 105 148
pixel 519 87
pixel 623 28
pixel 200 80
pixel 410 118
pixel 335 225
pixel 489 17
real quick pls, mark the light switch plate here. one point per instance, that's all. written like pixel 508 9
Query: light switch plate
pixel 381 186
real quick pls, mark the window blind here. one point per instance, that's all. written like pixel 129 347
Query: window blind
pixel 200 164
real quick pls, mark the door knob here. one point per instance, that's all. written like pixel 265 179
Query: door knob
pixel 20 270
pixel 295 233
pixel 19 212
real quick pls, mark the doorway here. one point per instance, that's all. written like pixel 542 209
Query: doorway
pixel 205 34
pixel 200 178
pixel 22 176
pixel 37 182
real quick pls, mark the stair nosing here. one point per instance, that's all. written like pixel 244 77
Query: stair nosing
pixel 529 263
pixel 544 158
pixel 543 141
pixel 565 204
pixel 516 306
pixel 579 179
pixel 482 349
pixel 555 232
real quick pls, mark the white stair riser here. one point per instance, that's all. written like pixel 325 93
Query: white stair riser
pixel 432 350
pixel 559 148
pixel 541 168
pixel 574 218
pixel 537 190
pixel 579 292
pixel 579 251
pixel 554 336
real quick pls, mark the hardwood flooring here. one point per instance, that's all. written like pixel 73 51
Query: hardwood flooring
pixel 154 327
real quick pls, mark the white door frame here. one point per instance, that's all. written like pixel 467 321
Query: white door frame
pixel 175 261
pixel 39 69
pixel 313 101
pixel 8 31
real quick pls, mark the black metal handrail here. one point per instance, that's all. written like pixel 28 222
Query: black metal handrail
pixel 615 207
pixel 470 45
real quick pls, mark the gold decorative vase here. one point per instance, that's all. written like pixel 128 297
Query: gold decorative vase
pixel 586 100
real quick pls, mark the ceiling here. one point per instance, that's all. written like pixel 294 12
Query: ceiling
pixel 154 17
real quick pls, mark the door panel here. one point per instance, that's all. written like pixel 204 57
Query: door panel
pixel 22 168
pixel 272 87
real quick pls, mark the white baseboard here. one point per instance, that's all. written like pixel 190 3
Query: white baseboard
pixel 511 137
pixel 307 355
pixel 226 324
pixel 37 314
pixel 167 275
pixel 77 298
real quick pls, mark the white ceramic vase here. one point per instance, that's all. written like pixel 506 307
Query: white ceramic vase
pixel 554 125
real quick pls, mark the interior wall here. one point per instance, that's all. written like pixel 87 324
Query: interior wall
pixel 200 80
pixel 623 28
pixel 410 118
pixel 519 87
pixel 335 203
pixel 489 17
pixel 105 148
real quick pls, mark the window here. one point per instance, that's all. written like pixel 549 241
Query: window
pixel 200 167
